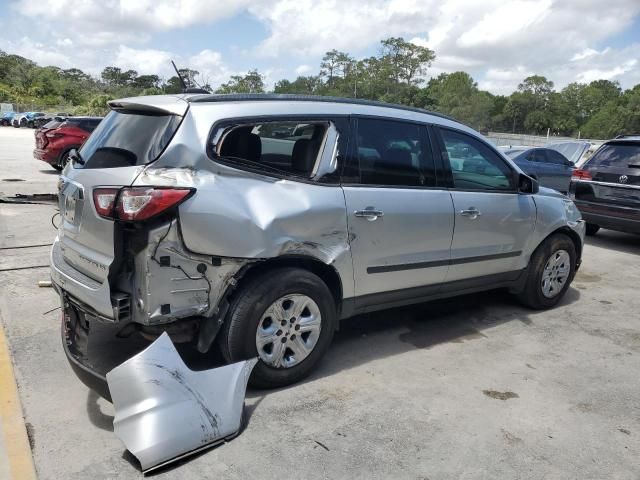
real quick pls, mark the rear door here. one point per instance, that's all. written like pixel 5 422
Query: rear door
pixel 399 220
pixel 112 156
pixel 492 220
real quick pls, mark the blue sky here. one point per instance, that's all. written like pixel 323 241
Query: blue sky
pixel 499 42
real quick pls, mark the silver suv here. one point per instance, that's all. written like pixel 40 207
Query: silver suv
pixel 257 222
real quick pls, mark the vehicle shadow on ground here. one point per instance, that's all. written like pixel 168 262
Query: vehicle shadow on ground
pixel 50 172
pixel 96 416
pixel 618 241
pixel 386 333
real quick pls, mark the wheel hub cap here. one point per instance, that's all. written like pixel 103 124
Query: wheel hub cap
pixel 556 273
pixel 288 331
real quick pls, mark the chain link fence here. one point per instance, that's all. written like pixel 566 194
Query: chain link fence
pixel 515 139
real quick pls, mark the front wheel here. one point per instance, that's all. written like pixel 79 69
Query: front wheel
pixel 551 270
pixel 286 318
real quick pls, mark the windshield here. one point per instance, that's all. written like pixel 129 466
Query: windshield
pixel 618 155
pixel 125 139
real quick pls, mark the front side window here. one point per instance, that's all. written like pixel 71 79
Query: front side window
pixel 281 147
pixel 394 153
pixel 556 158
pixel 474 166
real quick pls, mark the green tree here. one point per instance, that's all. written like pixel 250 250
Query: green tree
pixel 407 61
pixel 252 82
pixel 457 94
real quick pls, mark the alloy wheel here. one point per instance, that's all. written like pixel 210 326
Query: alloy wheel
pixel 288 331
pixel 556 273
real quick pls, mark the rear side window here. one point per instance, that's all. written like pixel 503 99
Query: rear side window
pixel 474 166
pixel 394 153
pixel 620 156
pixel 281 147
pixel 124 139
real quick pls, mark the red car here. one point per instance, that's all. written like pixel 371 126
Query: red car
pixel 55 140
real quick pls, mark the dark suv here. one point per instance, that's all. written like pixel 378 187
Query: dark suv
pixel 607 187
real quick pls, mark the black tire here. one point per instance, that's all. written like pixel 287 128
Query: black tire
pixel 64 158
pixel 592 229
pixel 532 296
pixel 237 339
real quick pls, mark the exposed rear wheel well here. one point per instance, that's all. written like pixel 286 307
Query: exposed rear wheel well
pixel 327 273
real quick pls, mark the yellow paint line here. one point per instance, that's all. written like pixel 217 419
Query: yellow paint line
pixel 14 432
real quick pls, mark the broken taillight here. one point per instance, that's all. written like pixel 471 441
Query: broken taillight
pixel 579 174
pixel 137 203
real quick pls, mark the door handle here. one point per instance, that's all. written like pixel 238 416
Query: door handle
pixel 370 213
pixel 471 212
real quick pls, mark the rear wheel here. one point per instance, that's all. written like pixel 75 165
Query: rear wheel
pixel 551 270
pixel 62 162
pixel 592 228
pixel 286 318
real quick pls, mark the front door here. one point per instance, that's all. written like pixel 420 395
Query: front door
pixel 492 220
pixel 400 223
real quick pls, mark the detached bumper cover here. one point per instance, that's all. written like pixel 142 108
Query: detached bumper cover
pixel 164 411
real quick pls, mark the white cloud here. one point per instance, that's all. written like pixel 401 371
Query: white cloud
pixel 304 69
pixel 497 41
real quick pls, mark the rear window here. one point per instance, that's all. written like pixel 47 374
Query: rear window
pixel 52 124
pixel 124 139
pixel 616 155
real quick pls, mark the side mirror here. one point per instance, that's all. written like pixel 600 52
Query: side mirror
pixel 527 184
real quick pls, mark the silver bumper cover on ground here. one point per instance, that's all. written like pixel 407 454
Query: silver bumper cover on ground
pixel 164 411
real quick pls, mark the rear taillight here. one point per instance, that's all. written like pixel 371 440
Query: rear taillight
pixel 579 174
pixel 105 200
pixel 53 135
pixel 137 203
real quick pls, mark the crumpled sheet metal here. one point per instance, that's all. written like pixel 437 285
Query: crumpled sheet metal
pixel 164 411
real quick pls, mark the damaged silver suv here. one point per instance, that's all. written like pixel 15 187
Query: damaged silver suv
pixel 257 222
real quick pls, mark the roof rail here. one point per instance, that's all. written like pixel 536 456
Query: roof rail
pixel 628 135
pixel 235 97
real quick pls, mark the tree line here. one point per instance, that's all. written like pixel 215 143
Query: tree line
pixel 397 74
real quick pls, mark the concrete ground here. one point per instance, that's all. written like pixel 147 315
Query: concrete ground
pixel 476 387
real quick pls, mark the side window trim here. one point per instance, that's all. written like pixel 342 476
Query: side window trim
pixel 447 166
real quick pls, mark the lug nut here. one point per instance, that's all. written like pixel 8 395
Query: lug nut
pixel 293 337
pixel 297 327
pixel 284 340
pixel 279 332
pixel 283 323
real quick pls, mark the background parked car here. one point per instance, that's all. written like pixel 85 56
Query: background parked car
pixel 33 118
pixel 40 121
pixel 26 119
pixel 55 140
pixel 606 189
pixel 6 118
pixel 549 167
